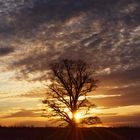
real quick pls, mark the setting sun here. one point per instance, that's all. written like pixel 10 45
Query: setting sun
pixel 77 116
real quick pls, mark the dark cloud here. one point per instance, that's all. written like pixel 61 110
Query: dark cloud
pixel 108 12
pixel 102 33
pixel 124 120
pixel 6 50
pixel 99 34
pixel 7 6
pixel 128 94
pixel 121 77
pixel 6 31
pixel 123 100
pixel 23 113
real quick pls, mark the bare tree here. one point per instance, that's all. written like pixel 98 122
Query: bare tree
pixel 73 80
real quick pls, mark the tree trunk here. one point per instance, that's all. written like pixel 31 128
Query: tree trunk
pixel 73 121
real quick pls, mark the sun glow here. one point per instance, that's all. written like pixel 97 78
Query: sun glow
pixel 77 116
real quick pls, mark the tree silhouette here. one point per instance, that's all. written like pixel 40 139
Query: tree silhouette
pixel 72 81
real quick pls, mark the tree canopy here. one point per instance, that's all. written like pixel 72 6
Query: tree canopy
pixel 72 81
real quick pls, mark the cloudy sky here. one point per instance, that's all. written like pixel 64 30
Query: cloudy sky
pixel 35 33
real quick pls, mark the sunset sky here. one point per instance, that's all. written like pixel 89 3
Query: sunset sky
pixel 103 33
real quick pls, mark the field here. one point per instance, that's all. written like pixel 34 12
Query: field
pixel 24 133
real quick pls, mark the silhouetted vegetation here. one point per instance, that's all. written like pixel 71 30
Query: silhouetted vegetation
pixel 24 133
pixel 72 81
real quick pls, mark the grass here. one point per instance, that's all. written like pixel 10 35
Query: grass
pixel 48 133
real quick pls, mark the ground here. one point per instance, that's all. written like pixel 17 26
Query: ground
pixel 24 133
